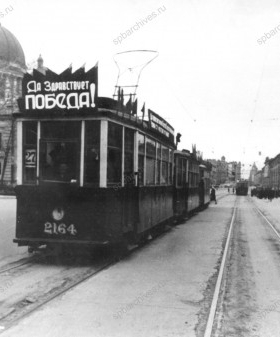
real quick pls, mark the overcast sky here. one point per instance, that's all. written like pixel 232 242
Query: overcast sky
pixel 216 79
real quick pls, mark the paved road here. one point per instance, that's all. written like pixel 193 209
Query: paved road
pixel 165 289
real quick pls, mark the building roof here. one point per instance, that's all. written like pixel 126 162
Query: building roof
pixel 11 51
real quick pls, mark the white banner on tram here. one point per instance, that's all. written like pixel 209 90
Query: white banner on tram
pixel 159 124
pixel 67 91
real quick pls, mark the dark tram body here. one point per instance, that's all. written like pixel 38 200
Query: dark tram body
pixel 242 187
pixel 90 172
pixel 191 183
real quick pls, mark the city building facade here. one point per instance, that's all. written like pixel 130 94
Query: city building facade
pixel 274 172
pixel 224 172
pixel 252 175
pixel 12 68
pixel 258 178
pixel 269 176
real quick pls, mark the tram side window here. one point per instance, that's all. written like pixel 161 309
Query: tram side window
pixel 190 174
pixel 179 172
pixel 193 175
pixel 114 167
pixel 128 157
pixel 158 170
pixel 92 152
pixel 29 152
pixel 192 181
pixel 165 162
pixel 59 151
pixel 184 171
pixel 150 161
pixel 170 166
pixel 141 156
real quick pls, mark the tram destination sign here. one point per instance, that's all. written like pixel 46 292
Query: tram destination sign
pixel 158 123
pixel 66 91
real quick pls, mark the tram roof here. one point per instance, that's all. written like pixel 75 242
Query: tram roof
pixel 106 108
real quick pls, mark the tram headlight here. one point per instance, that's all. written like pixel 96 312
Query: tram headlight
pixel 58 213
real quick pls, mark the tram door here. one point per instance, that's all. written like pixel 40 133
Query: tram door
pixel 130 204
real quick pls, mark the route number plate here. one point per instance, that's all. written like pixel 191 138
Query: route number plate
pixel 56 229
pixel 30 158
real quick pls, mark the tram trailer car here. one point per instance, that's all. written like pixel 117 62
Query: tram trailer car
pixel 90 172
pixel 242 187
pixel 191 183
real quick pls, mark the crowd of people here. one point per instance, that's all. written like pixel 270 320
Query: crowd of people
pixel 265 193
pixel 259 192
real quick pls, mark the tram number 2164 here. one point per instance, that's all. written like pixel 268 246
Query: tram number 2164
pixel 54 228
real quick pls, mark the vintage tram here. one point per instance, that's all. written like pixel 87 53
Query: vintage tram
pixel 242 187
pixel 90 171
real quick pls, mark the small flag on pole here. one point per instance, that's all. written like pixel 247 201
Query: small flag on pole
pixel 134 108
pixel 122 99
pixel 129 105
pixel 143 111
pixel 119 94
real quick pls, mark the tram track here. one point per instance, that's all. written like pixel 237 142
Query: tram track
pixel 22 262
pixel 62 278
pixel 212 313
pixel 222 300
pixel 29 304
pixel 274 229
pixel 18 264
pixel 26 308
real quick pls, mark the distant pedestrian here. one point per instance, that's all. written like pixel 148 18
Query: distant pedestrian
pixel 233 190
pixel 213 195
pixel 228 189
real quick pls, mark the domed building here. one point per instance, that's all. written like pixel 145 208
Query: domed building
pixel 12 69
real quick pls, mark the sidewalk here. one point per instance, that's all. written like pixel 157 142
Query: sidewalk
pixel 271 209
pixel 223 191
pixel 163 289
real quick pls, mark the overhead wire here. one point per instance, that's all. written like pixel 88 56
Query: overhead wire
pixel 255 103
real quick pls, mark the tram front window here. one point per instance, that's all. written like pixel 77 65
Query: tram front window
pixel 59 151
pixel 59 160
